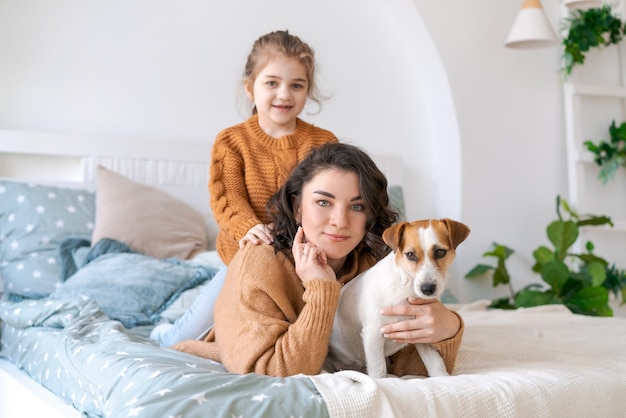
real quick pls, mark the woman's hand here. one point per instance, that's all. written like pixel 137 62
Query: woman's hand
pixel 433 322
pixel 311 262
pixel 258 234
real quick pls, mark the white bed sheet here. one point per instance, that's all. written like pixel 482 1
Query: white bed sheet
pixel 22 397
pixel 537 362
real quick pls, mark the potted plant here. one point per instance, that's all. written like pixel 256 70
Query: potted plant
pixel 611 154
pixel 581 282
pixel 589 28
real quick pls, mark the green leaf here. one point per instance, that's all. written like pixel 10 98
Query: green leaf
pixel 590 301
pixel 574 283
pixel 543 255
pixel 562 234
pixel 478 270
pixel 529 298
pixel 562 202
pixel 591 146
pixel 499 251
pixel 615 281
pixel 610 155
pixel 555 273
pixel 597 272
pixel 591 258
pixel 501 275
pixel 502 303
pixel 596 221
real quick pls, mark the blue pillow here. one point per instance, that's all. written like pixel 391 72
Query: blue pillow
pixel 396 200
pixel 133 288
pixel 34 219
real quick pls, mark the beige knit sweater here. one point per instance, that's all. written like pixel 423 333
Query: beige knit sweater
pixel 267 322
pixel 247 168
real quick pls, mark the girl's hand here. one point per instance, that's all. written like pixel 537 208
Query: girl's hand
pixel 433 322
pixel 258 234
pixel 311 262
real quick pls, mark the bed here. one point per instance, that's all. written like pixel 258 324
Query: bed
pixel 101 239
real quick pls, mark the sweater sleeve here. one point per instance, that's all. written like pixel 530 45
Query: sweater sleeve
pixel 228 194
pixel 408 362
pixel 265 323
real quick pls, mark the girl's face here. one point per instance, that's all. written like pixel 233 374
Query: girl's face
pixel 279 93
pixel 333 214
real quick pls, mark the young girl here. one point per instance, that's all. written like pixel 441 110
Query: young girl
pixel 251 160
pixel 276 311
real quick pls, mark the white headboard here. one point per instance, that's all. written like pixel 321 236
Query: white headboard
pixel 168 164
pixel 180 168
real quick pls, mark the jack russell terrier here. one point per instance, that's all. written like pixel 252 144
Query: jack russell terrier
pixel 417 266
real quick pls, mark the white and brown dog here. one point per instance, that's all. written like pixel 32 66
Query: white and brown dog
pixel 421 253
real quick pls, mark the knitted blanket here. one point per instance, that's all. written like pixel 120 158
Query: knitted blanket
pixel 539 362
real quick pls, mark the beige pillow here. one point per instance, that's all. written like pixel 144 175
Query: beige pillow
pixel 146 219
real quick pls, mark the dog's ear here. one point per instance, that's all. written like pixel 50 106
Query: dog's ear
pixel 393 235
pixel 457 231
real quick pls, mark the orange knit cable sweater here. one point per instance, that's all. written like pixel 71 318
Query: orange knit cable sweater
pixel 247 168
pixel 268 322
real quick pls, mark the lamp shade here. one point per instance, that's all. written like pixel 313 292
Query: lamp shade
pixel 531 28
pixel 582 4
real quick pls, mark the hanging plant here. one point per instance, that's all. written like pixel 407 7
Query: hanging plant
pixel 611 154
pixel 590 28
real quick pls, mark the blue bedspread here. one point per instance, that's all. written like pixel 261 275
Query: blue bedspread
pixel 106 370
pixel 87 343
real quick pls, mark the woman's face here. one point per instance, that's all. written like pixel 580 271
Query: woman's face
pixel 333 214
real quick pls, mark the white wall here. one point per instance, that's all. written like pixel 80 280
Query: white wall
pixel 510 111
pixel 479 127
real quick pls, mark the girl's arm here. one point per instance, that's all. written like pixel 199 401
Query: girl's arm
pixel 229 198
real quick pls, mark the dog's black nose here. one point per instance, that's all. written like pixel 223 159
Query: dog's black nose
pixel 428 288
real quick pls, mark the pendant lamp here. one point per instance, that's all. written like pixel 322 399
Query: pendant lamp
pixel 582 4
pixel 531 28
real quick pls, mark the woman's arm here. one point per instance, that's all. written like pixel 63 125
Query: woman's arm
pixel 433 324
pixel 267 322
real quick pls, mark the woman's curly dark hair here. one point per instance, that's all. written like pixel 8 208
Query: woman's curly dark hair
pixel 372 186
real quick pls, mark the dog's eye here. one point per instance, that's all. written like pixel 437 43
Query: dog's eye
pixel 410 255
pixel 440 253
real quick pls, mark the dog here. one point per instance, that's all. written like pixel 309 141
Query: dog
pixel 417 266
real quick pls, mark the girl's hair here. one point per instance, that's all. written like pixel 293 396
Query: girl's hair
pixel 372 186
pixel 282 42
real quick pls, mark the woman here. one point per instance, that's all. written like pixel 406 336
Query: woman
pixel 275 313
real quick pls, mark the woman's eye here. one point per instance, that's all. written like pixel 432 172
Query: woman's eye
pixel 271 84
pixel 323 203
pixel 410 255
pixel 358 208
pixel 440 253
